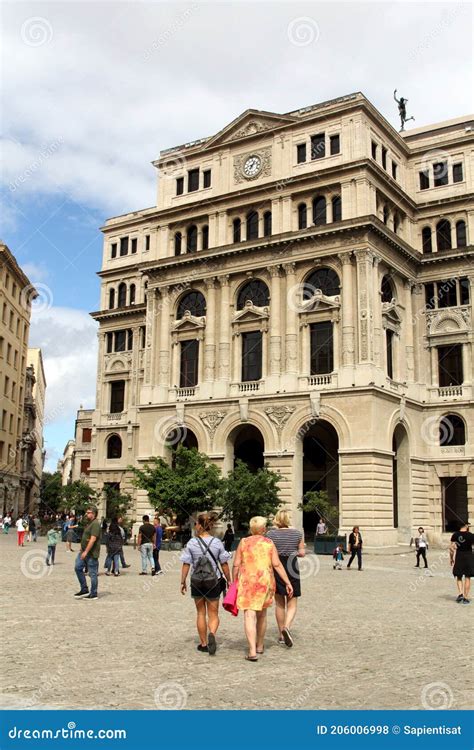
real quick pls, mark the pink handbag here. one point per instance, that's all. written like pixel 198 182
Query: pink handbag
pixel 230 600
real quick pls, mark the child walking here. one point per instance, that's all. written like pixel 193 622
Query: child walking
pixel 338 556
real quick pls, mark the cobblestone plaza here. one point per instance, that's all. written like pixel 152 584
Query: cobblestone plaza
pixel 388 637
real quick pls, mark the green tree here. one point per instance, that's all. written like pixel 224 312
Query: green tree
pixel 318 502
pixel 78 496
pixel 51 492
pixel 191 484
pixel 116 503
pixel 247 494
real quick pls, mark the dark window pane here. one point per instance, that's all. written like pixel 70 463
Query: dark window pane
pixel 206 178
pixel 321 339
pixel 205 237
pixel 374 150
pixel 194 302
pixel 134 245
pixel 86 434
pixel 426 240
pixel 386 214
pixel 117 394
pixel 324 279
pixel 440 173
pixel 236 228
pixel 193 180
pixel 301 153
pixel 318 146
pixel 120 341
pixel 252 355
pixel 267 224
pixel 424 180
pixel 443 235
pixel 110 342
pixel 255 291
pixel 132 294
pixel 188 377
pixel 464 291
pixel 252 225
pixel 192 239
pixel 147 242
pixel 336 208
pixel 114 447
pixel 447 293
pixel 179 185
pixel 461 238
pixel 450 365
pixel 387 291
pixel 129 339
pixel 85 465
pixel 457 173
pixel 122 295
pixel 389 345
pixel 178 238
pixel 319 211
pixel 452 430
pixel 302 216
pixel 335 144
pixel 113 250
pixel 394 170
pixel 124 246
pixel 384 157
pixel 111 298
pixel 142 336
pixel 430 298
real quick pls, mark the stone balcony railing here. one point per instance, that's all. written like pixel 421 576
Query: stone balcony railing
pixel 185 392
pixel 328 380
pixel 249 386
pixel 115 416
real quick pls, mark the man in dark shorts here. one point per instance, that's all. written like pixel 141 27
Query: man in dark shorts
pixel 462 560
pixel 88 557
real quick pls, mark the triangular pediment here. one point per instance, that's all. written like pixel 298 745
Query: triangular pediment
pixel 250 123
pixel 251 313
pixel 389 310
pixel 319 301
pixel 189 323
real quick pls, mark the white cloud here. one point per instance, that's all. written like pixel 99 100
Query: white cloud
pixel 35 272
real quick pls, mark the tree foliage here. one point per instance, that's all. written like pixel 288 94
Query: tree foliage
pixel 247 494
pixel 78 496
pixel 51 492
pixel 116 503
pixel 318 502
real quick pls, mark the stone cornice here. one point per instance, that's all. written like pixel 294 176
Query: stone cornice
pixel 118 312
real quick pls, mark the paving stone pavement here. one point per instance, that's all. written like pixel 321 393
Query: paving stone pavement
pixel 387 637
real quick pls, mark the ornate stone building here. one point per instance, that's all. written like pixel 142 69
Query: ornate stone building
pixel 76 460
pixel 301 296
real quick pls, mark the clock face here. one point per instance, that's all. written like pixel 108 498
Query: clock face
pixel 252 166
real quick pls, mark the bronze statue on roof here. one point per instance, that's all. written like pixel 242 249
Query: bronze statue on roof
pixel 402 110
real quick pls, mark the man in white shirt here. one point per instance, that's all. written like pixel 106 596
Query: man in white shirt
pixel 321 528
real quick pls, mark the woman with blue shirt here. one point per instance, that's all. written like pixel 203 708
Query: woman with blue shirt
pixel 207 604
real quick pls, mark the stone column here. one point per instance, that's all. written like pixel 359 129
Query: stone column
pixel 434 367
pixel 348 352
pixel 466 362
pixel 409 325
pixel 164 359
pixel 364 305
pixel 222 228
pixel 275 322
pixel 276 215
pixel 213 229
pixel 224 329
pixel 210 335
pixel 151 336
pixel 377 313
pixel 291 319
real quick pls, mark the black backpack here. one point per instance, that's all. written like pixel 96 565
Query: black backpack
pixel 204 576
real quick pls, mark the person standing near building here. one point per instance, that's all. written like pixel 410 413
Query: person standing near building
pixel 146 542
pixel 53 537
pixel 421 546
pixel 88 557
pixel 229 537
pixel 321 528
pixel 31 529
pixel 124 539
pixel 114 547
pixel 355 547
pixel 462 561
pixel 7 522
pixel 157 546
pixel 20 530
pixel 69 527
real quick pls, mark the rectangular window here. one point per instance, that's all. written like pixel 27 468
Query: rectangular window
pixel 389 349
pixel 394 170
pixel 251 356
pixel 321 343
pixel 447 293
pixel 134 245
pixel 129 339
pixel 110 344
pixel 440 173
pixel 424 179
pixel 86 434
pixel 4 419
pixel 450 365
pixel 430 299
pixel 123 246
pixel 142 336
pixel 85 466
pixel 464 291
pixel 454 496
pixel 117 396
pixel 193 180
pixel 205 237
pixel 120 341
pixel 374 150
pixel 335 144
pixel 113 250
pixel 318 146
pixel 188 376
pixel 6 389
pixel 206 178
pixel 301 153
pixel 457 173
pixel 147 242
pixel 179 185
pixel 384 157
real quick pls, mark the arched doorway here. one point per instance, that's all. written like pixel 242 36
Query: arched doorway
pixel 320 469
pixel 401 483
pixel 249 447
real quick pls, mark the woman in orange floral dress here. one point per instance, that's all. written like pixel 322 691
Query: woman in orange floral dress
pixel 254 562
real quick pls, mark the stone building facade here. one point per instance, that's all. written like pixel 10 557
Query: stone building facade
pixel 33 438
pixel 301 295
pixel 76 460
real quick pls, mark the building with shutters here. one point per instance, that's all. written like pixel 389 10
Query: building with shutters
pixel 301 296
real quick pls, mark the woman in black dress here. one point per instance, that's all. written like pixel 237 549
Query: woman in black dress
pixel 114 548
pixel 355 547
pixel 462 560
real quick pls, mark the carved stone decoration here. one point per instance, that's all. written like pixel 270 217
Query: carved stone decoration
pixel 315 400
pixel 244 409
pixel 211 420
pixel 265 156
pixel 279 415
pixel 450 320
pixel 251 128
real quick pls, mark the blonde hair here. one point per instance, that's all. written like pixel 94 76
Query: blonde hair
pixel 207 521
pixel 282 519
pixel 257 524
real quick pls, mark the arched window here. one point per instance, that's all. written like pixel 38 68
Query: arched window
pixel 178 240
pixel 387 290
pixel 386 214
pixel 256 291
pixel 252 225
pixel 132 293
pixel 319 210
pixel 452 430
pixel 267 223
pixel 324 279
pixel 461 239
pixel 193 301
pixel 192 239
pixel 114 447
pixel 122 295
pixel 205 237
pixel 111 298
pixel 236 230
pixel 443 235
pixel 302 216
pixel 337 208
pixel 426 240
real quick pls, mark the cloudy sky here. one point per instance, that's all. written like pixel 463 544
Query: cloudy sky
pixel 94 90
